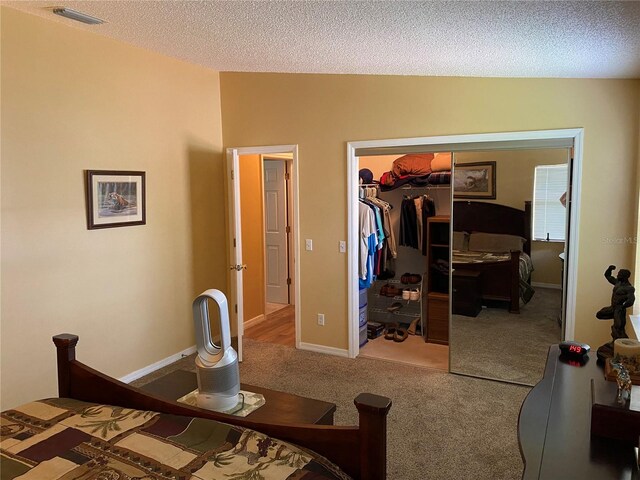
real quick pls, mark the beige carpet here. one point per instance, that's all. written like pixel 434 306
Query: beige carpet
pixel 506 346
pixel 441 426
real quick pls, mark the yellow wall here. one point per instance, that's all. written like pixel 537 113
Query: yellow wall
pixel 321 113
pixel 73 101
pixel 251 199
pixel 515 171
pixel 636 273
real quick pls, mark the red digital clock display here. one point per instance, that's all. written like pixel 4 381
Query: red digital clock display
pixel 574 349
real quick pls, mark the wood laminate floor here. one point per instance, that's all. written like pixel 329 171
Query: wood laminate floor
pixel 278 327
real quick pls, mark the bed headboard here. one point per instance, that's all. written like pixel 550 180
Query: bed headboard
pixel 493 218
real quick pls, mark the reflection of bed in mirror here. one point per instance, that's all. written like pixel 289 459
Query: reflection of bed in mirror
pixel 494 240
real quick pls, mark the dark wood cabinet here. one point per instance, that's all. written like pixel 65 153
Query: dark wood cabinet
pixel 466 298
pixel 280 407
pixel 554 427
pixel 436 306
pixel 437 318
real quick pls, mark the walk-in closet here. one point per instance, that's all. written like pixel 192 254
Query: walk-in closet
pixel 404 212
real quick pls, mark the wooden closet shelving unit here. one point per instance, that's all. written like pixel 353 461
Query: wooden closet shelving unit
pixel 436 306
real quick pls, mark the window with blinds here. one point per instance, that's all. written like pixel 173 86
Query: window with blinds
pixel 549 215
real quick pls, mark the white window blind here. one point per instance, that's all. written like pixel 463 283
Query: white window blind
pixel 549 215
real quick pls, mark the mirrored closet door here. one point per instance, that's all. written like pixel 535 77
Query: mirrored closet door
pixel 508 238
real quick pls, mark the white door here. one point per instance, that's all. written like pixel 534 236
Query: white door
pixel 235 244
pixel 275 220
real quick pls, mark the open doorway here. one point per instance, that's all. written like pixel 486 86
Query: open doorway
pixel 395 291
pixel 265 195
pixel 263 231
pixel 277 232
pixel 456 144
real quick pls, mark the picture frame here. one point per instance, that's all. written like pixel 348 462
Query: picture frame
pixel 475 180
pixel 115 198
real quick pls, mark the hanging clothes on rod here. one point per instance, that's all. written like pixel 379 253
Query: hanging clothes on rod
pixel 385 207
pixel 385 250
pixel 408 223
pixel 380 233
pixel 413 220
pixel 428 209
pixel 367 245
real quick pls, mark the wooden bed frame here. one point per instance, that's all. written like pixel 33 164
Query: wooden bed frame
pixel 359 451
pixel 495 218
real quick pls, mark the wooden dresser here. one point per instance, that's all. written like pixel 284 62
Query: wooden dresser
pixel 436 307
pixel 554 428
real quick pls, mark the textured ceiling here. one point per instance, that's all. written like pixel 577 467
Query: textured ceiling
pixel 488 39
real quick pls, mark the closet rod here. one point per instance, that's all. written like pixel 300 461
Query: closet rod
pixel 416 187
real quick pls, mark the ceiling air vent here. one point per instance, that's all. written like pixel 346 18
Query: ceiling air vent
pixel 77 16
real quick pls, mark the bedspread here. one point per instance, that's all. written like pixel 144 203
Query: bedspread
pixel 60 438
pixel 468 256
pixel 525 266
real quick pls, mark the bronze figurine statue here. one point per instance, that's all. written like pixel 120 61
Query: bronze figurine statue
pixel 622 297
pixel 623 380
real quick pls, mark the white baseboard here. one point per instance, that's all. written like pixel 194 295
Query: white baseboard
pixel 312 347
pixel 155 366
pixel 556 286
pixel 254 320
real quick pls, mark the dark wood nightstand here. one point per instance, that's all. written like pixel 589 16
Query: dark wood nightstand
pixel 555 426
pixel 279 407
pixel 467 299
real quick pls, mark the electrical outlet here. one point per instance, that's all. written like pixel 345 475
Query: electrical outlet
pixel 342 246
pixel 321 319
pixel 308 244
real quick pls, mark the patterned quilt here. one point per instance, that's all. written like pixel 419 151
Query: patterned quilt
pixel 66 439
pixel 525 266
pixel 468 256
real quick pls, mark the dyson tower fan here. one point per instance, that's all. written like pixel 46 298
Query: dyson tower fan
pixel 216 366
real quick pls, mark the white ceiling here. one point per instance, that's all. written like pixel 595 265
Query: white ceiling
pixel 597 39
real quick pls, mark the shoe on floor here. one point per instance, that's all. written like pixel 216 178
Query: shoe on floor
pixel 413 326
pixel 400 335
pixel 390 331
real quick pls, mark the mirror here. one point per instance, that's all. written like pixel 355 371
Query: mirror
pixel 508 239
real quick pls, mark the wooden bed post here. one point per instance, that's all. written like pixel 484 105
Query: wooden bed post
pixel 527 226
pixel 373 410
pixel 514 304
pixel 66 352
pixel 337 443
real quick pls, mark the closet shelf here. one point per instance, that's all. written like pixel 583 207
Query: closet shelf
pixel 396 298
pixel 395 281
pixel 398 313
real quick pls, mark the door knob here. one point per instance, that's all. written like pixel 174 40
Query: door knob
pixel 237 268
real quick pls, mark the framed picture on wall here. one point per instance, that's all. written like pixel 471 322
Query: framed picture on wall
pixel 475 180
pixel 115 198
